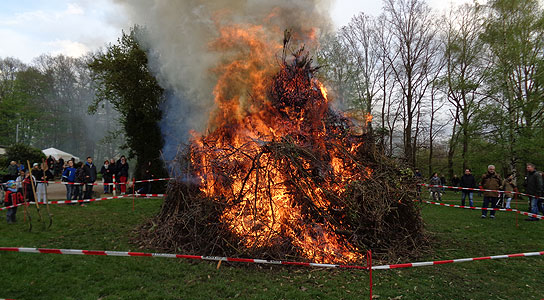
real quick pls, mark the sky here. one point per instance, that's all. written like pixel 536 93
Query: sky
pixel 29 28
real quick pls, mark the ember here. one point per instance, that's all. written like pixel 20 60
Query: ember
pixel 280 174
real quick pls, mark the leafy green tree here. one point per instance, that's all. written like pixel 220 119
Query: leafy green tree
pixel 464 76
pixel 123 78
pixel 514 34
pixel 20 102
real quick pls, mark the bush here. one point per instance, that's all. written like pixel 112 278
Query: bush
pixel 21 153
pixel 3 165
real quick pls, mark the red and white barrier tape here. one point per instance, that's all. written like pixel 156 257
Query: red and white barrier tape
pixel 149 195
pixel 84 200
pixel 485 208
pixel 12 206
pixel 261 261
pixel 476 189
pixel 168 255
pixel 104 183
pixel 441 262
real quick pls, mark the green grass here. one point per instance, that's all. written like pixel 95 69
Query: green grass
pixel 109 225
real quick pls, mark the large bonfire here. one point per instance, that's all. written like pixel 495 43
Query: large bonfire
pixel 280 174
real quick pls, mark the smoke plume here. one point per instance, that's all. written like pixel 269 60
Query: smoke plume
pixel 179 38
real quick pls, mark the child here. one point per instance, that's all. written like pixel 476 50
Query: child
pixel 13 197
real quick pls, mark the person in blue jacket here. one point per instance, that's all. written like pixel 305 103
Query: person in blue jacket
pixel 69 176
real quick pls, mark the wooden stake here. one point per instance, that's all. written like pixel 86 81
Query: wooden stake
pixel 369 265
pixel 45 168
pixel 133 191
pixel 32 182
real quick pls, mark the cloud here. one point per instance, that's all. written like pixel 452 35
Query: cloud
pixel 74 9
pixel 65 26
pixel 67 47
pixel 16 45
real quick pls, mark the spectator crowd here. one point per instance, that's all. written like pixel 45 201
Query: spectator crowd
pixel 500 191
pixel 23 185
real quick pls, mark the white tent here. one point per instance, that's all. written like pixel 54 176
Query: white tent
pixel 57 154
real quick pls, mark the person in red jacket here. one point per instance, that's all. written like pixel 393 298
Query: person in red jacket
pixel 12 197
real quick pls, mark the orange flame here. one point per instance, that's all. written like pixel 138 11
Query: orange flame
pixel 261 209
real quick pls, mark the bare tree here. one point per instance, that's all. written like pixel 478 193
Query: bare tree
pixel 359 39
pixel 413 48
pixel 390 107
pixel 465 72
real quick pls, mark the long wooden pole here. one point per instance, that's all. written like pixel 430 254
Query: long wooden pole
pixel 32 182
pixel 44 167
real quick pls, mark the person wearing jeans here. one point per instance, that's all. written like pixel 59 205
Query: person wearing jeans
pixel 467 181
pixel 436 192
pixel 533 187
pixel 509 185
pixel 69 176
pixel 107 175
pixel 490 181
pixel 90 177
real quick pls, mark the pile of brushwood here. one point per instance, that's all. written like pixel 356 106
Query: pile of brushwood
pixel 373 211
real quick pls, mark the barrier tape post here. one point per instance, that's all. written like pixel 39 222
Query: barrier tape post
pixel 369 266
pixel 133 191
pixel 114 192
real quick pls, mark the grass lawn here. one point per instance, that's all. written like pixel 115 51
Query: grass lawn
pixel 108 225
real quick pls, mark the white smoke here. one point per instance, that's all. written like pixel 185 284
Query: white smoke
pixel 178 37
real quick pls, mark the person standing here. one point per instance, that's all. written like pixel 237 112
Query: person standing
pixel 455 182
pixel 443 180
pixel 59 167
pixel 90 177
pixel 28 192
pixel 419 181
pixel 436 191
pixel 107 175
pixel 12 170
pixel 19 182
pixel 42 176
pixel 79 182
pixel 69 176
pixel 147 175
pixel 37 173
pixel 509 185
pixel 50 162
pixel 490 181
pixel 12 197
pixel 21 167
pixel 115 179
pixel 467 181
pixel 533 186
pixel 122 173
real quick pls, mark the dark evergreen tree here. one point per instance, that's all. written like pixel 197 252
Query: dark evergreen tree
pixel 123 78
